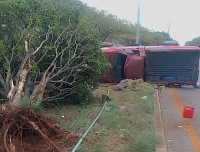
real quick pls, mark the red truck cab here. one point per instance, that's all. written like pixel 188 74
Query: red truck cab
pixel 127 62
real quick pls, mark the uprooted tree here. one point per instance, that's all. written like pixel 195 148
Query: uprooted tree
pixel 49 50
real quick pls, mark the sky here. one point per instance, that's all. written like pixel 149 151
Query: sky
pixel 180 17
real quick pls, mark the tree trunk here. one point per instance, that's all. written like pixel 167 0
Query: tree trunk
pixel 22 67
pixel 22 79
pixel 16 91
pixel 11 93
pixel 38 92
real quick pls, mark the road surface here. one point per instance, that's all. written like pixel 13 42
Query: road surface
pixel 181 134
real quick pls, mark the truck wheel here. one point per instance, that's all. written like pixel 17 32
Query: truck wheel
pixel 196 85
pixel 179 85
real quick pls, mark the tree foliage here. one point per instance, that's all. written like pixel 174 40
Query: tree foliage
pixel 194 42
pixel 121 32
pixel 49 51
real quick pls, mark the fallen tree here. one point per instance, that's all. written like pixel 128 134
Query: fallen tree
pixel 22 129
pixel 49 51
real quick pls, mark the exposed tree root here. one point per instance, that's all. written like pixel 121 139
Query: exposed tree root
pixel 28 131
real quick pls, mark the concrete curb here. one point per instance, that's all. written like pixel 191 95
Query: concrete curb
pixel 161 146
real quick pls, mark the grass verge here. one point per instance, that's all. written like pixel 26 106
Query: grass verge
pixel 126 124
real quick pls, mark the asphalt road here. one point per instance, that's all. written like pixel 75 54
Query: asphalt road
pixel 181 134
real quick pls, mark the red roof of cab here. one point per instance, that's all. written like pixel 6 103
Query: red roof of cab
pixel 119 48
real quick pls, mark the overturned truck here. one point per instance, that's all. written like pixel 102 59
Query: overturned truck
pixel 166 64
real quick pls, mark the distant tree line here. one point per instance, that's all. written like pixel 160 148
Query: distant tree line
pixel 194 42
pixel 118 31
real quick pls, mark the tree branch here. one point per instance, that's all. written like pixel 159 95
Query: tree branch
pixel 58 97
pixel 41 44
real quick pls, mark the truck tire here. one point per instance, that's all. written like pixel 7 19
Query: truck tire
pixel 196 85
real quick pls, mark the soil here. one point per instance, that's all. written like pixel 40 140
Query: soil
pixel 24 130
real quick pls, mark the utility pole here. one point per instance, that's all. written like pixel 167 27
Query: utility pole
pixel 169 29
pixel 138 25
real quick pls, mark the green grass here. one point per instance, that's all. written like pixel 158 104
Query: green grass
pixel 143 142
pixel 147 104
pixel 99 147
pixel 76 118
pixel 111 118
pixel 24 102
pixel 131 127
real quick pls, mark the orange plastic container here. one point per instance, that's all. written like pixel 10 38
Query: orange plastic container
pixel 188 112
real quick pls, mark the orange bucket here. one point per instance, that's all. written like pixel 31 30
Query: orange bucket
pixel 188 112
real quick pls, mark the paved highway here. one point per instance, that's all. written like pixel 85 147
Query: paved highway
pixel 181 134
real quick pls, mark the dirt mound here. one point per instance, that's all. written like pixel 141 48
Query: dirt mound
pixel 134 85
pixel 24 130
pixel 140 85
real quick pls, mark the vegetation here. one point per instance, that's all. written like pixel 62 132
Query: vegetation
pixel 118 31
pixel 126 124
pixel 193 42
pixel 49 50
pixel 122 32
